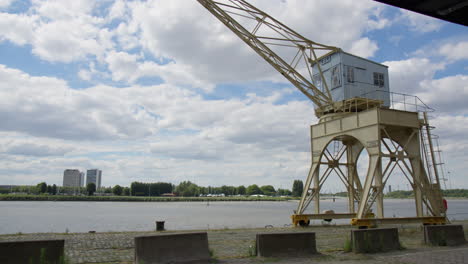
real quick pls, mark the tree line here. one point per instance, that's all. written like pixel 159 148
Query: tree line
pixel 185 189
pixel 455 193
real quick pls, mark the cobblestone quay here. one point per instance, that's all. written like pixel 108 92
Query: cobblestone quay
pixel 235 246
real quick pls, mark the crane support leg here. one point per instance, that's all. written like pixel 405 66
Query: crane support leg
pixel 391 139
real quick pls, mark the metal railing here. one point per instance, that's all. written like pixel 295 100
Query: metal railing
pixel 399 101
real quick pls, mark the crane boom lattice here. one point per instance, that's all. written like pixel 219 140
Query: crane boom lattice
pixel 287 51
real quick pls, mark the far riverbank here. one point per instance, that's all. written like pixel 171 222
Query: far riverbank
pixel 65 198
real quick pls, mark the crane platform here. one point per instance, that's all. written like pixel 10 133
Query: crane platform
pixel 304 219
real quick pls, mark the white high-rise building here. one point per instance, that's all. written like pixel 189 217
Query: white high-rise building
pixel 82 179
pixel 94 176
pixel 72 178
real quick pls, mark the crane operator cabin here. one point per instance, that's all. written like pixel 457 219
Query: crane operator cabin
pixel 349 76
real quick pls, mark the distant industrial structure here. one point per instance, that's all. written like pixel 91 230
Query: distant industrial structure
pixel 73 178
pixel 94 176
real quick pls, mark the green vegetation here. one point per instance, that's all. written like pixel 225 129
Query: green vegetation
pixel 139 189
pixel 456 193
pixel 187 189
pixel 451 193
pixel 117 190
pixel 254 189
pixel 341 194
pixel 252 252
pixel 91 188
pixel 284 192
pixel 43 259
pixel 150 189
pixel 268 190
pixel 42 187
pixel 347 247
pixel 400 194
pixel 297 188
pixel 25 197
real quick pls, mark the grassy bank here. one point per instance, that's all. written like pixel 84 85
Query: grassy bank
pixel 14 197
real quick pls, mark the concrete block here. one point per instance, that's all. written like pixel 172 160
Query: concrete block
pixel 444 235
pixel 286 244
pixel 375 240
pixel 42 251
pixel 172 248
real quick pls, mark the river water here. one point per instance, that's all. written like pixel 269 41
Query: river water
pixel 34 217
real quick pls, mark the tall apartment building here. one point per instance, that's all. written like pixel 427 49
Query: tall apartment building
pixel 72 178
pixel 82 179
pixel 94 176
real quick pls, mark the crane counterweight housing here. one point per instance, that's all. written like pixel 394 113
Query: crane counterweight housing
pixel 349 76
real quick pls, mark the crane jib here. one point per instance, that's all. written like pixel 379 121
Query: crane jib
pixel 296 69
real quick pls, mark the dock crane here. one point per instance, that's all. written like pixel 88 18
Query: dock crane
pixel 353 103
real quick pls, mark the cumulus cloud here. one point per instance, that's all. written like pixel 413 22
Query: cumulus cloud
pixel 419 23
pixel 105 112
pixel 416 76
pixel 455 51
pixel 35 149
pixel 407 75
pixel 5 3
pixel 448 94
pixel 172 126
pixel 190 35
pixel 364 48
pixel 45 106
pixel 181 32
pixel 18 29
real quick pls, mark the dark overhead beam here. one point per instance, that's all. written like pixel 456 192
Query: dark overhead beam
pixel 455 11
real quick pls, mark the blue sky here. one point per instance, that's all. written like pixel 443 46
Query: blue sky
pixel 162 91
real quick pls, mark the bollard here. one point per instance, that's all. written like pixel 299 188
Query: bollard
pixel 286 244
pixel 375 240
pixel 172 248
pixel 159 225
pixel 444 235
pixel 34 252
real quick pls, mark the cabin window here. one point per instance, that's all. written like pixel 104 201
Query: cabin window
pixel 336 77
pixel 378 79
pixel 318 81
pixel 350 74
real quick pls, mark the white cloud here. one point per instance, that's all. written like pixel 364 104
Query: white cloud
pixel 45 106
pixel 407 75
pixel 17 28
pixel 190 35
pixel 419 23
pixel 455 51
pixel 85 75
pixel 181 32
pixel 415 76
pixel 118 10
pixel 26 148
pixel 5 3
pixel 448 94
pixel 63 10
pixel 123 66
pixel 55 41
pixel 183 129
pixel 364 48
